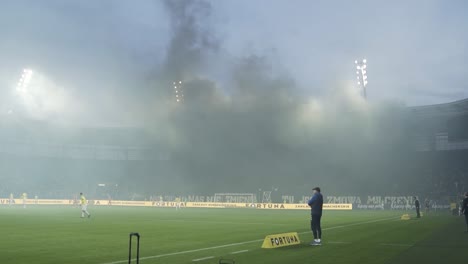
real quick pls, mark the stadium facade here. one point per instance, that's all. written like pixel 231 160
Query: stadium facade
pixel 440 127
pixel 440 136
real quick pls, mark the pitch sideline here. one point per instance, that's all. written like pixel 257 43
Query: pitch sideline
pixel 242 243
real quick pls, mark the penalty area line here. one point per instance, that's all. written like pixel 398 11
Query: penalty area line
pixel 241 243
pixel 189 251
pixel 200 259
pixel 238 252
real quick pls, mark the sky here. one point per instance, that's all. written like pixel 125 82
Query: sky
pixel 416 50
pixel 107 54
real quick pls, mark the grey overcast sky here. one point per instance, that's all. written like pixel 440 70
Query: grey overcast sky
pixel 416 50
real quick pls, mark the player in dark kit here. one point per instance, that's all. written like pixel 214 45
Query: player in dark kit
pixel 465 210
pixel 416 204
pixel 316 206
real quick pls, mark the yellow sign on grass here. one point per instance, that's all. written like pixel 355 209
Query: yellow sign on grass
pixel 281 240
pixel 405 217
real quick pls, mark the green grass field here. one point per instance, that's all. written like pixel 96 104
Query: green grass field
pixel 41 234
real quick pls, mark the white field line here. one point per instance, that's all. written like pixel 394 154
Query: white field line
pixel 238 252
pixel 404 221
pixel 381 244
pixel 220 222
pixel 355 224
pixel 205 258
pixel 240 243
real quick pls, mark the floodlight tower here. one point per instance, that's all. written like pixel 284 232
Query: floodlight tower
pixel 24 80
pixel 178 92
pixel 361 76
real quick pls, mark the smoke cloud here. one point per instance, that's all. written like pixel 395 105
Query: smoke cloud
pixel 262 133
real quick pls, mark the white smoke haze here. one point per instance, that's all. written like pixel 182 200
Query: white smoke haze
pixel 262 130
pixel 42 99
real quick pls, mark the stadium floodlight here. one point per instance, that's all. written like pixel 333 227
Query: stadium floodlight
pixel 361 73
pixel 178 91
pixel 24 80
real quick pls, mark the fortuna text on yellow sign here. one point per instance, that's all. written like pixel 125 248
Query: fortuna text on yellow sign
pixel 300 206
pixel 281 240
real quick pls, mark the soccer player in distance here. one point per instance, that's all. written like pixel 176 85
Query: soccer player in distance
pixel 417 205
pixel 12 199
pixel 84 206
pixel 427 205
pixel 177 203
pixel 316 207
pixel 25 197
pixel 465 210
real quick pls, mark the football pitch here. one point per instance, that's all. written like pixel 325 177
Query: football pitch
pixel 56 234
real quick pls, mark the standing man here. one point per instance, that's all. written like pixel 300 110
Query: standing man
pixel 465 210
pixel 460 207
pixel 316 206
pixel 417 205
pixel 84 206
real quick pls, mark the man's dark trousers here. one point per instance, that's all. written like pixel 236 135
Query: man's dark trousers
pixel 316 226
pixel 418 213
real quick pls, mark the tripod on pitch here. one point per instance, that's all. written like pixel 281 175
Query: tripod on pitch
pixel 137 235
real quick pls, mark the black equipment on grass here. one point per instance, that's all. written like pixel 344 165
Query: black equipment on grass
pixel 130 248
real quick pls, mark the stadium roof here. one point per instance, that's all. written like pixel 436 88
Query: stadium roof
pixel 459 107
